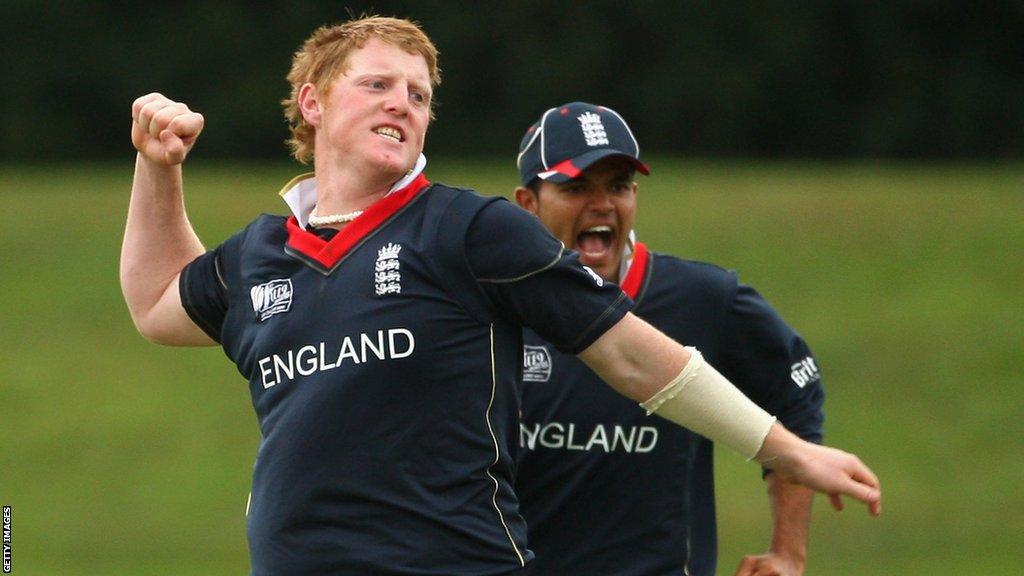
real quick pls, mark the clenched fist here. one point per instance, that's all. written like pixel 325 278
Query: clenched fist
pixel 163 130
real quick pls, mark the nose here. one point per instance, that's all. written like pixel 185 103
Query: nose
pixel 397 99
pixel 601 200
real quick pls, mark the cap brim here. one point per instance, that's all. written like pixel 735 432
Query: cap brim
pixel 572 168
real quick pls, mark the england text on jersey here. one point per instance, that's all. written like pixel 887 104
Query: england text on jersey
pixel 558 436
pixel 382 345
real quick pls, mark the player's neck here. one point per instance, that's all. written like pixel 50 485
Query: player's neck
pixel 342 192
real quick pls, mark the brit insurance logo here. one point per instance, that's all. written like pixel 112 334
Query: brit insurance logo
pixel 593 129
pixel 804 372
pixel 536 364
pixel 387 275
pixel 271 298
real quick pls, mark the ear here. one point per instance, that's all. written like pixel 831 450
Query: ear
pixel 309 104
pixel 527 200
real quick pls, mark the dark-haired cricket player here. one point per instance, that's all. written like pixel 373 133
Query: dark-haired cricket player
pixel 379 328
pixel 604 488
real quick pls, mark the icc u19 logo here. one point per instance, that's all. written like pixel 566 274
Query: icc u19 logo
pixel 536 364
pixel 271 298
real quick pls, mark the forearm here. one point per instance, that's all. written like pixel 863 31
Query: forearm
pixel 158 239
pixel 791 519
pixel 651 368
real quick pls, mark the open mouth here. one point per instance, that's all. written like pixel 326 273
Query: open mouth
pixel 595 241
pixel 390 133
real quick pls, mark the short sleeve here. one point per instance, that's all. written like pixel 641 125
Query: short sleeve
pixel 532 281
pixel 773 365
pixel 204 294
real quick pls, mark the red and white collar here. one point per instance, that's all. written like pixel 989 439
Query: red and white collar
pixel 633 267
pixel 300 192
pixel 325 255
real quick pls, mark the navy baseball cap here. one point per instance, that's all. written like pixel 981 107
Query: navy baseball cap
pixel 569 138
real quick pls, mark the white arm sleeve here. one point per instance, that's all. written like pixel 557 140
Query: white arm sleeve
pixel 704 401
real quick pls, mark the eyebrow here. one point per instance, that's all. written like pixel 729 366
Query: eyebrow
pixel 387 73
pixel 413 82
pixel 422 86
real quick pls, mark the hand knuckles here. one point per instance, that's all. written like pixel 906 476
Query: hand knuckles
pixel 143 100
pixel 166 116
pixel 155 104
pixel 149 111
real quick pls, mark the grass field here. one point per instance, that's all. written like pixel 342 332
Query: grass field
pixel 121 457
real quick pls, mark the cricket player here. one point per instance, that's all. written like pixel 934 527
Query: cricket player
pixel 379 328
pixel 604 488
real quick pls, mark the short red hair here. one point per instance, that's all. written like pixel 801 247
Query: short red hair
pixel 323 56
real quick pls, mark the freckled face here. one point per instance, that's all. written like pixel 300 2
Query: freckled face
pixel 374 116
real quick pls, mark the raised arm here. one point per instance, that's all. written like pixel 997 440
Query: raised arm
pixel 643 364
pixel 158 238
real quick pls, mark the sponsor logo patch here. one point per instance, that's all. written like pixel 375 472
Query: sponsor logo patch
pixel 804 372
pixel 597 278
pixel 536 364
pixel 387 278
pixel 271 298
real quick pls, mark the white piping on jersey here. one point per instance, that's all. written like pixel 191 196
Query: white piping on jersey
pixel 497 456
pixel 528 274
pixel 627 262
pixel 216 268
pixel 689 552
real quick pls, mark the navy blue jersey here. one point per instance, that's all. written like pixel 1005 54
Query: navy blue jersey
pixel 383 365
pixel 607 490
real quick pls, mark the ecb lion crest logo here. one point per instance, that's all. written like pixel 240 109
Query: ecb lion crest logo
pixel 593 129
pixel 387 275
pixel 536 364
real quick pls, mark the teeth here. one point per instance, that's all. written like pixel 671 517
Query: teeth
pixel 389 133
pixel 599 229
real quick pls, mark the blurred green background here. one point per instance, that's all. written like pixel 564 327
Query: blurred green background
pixel 122 457
pixel 860 164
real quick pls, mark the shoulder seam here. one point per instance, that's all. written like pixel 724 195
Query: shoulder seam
pixel 528 274
pixel 609 310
